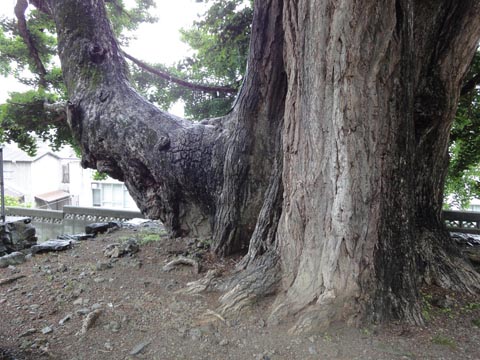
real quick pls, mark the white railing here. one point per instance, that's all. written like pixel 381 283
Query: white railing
pixel 74 212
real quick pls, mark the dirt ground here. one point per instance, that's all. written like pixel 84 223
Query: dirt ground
pixel 138 313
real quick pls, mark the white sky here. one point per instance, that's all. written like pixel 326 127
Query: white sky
pixel 158 42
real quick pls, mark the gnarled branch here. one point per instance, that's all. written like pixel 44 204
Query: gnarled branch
pixel 178 81
pixel 20 8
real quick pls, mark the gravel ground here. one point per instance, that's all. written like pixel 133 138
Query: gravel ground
pixel 78 304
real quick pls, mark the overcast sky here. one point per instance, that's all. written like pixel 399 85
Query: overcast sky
pixel 158 42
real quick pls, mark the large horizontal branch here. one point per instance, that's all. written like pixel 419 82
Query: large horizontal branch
pixel 181 82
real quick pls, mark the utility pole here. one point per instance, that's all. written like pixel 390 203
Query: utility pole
pixel 2 187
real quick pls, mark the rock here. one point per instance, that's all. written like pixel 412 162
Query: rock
pixel 113 326
pixel 135 263
pixel 96 306
pixel 52 245
pixel 62 268
pixel 264 356
pixel 223 342
pixel 82 311
pixel 135 222
pixel 14 258
pixel 79 301
pixel 28 332
pixel 65 319
pixel 464 239
pixel 312 350
pixel 195 334
pixel 47 330
pixel 108 346
pixel 18 234
pixel 90 320
pixel 99 280
pixel 76 237
pixel 101 266
pixel 139 348
pixel 117 250
pixel 100 228
pixel 112 251
pixel 13 269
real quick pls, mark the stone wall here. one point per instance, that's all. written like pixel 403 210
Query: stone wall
pixel 16 234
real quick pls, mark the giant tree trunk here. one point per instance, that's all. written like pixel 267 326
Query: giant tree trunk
pixel 330 167
pixel 366 155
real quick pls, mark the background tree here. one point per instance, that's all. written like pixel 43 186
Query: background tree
pixel 220 40
pixel 463 180
pixel 328 173
pixel 28 47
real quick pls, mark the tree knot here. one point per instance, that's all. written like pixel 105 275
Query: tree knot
pixel 97 53
pixel 163 143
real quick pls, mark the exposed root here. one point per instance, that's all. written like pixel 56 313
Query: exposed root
pixel 11 279
pixel 182 260
pixel 445 267
pixel 210 314
pixel 90 321
pixel 260 279
pixel 210 282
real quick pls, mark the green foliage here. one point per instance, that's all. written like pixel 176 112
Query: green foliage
pixel 148 238
pixel 444 340
pixel 427 307
pixel 124 21
pixel 99 176
pixel 221 41
pixel 476 322
pixel 471 306
pixel 11 201
pixel 27 116
pixel 463 180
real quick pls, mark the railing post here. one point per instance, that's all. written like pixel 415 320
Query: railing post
pixel 2 187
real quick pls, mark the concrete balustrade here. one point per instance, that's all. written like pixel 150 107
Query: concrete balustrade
pixel 74 212
pixel 462 221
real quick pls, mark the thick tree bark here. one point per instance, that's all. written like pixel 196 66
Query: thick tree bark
pixel 328 171
pixel 366 153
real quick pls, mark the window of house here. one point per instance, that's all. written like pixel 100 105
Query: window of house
pixel 7 171
pixel 475 208
pixel 110 195
pixel 65 174
pixel 97 197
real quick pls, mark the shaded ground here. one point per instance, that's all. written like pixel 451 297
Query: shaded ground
pixel 142 316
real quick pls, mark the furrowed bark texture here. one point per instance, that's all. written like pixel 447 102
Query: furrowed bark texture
pixel 203 179
pixel 172 167
pixel 372 90
pixel 328 171
pixel 253 160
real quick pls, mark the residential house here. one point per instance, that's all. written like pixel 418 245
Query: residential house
pixel 53 179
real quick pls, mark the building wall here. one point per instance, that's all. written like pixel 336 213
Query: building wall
pixel 46 174
pixel 50 172
pixel 80 183
pixel 18 176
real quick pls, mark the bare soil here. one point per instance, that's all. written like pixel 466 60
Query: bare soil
pixel 141 315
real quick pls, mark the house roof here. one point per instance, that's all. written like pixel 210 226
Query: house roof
pixel 11 152
pixel 10 191
pixel 53 196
